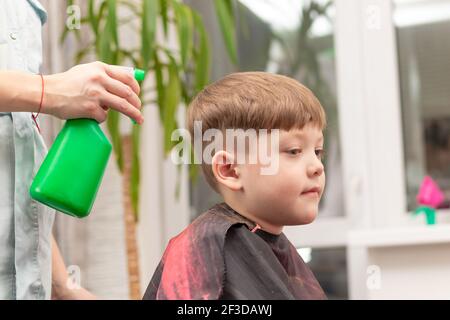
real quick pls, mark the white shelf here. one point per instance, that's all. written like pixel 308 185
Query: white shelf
pixel 323 233
pixel 401 236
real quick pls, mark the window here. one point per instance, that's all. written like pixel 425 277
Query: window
pixel 329 266
pixel 423 49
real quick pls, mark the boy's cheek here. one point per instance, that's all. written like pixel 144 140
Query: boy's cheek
pixel 323 183
pixel 251 177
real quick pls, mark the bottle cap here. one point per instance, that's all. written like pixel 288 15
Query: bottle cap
pixel 139 74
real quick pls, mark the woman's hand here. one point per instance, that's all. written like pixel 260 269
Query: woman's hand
pixel 89 90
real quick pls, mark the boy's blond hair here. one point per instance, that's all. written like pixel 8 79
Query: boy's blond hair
pixel 253 100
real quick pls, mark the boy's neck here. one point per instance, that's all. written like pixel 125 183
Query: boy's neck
pixel 242 210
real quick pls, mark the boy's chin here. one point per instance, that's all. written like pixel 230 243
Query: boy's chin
pixel 306 217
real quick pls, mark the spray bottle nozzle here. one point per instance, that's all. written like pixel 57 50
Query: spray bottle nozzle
pixel 139 75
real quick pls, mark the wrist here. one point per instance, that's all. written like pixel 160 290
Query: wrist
pixel 52 100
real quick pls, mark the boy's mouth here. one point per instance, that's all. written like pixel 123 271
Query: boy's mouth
pixel 314 191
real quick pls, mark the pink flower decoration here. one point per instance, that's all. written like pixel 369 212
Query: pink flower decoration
pixel 430 194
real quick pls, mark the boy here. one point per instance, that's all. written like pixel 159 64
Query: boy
pixel 236 250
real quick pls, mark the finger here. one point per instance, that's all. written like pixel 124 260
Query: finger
pixel 123 75
pixel 100 115
pixel 122 90
pixel 122 106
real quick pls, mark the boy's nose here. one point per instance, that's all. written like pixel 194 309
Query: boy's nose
pixel 315 168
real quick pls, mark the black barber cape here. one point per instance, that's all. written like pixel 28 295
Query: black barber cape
pixel 221 255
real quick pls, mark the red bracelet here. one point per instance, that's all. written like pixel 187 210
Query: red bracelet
pixel 40 104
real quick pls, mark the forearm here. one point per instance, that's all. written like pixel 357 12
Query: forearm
pixel 84 91
pixel 59 272
pixel 60 280
pixel 19 91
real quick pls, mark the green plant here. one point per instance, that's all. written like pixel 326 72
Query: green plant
pixel 178 74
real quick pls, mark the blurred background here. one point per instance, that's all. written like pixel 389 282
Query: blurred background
pixel 380 69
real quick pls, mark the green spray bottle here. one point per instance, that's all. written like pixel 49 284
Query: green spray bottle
pixel 71 173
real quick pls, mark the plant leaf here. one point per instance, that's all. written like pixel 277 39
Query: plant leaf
pixel 101 12
pixel 93 19
pixel 112 19
pixel 184 24
pixel 158 67
pixel 203 58
pixel 171 102
pixel 113 127
pixel 225 14
pixel 149 18
pixel 135 172
pixel 108 38
pixel 164 5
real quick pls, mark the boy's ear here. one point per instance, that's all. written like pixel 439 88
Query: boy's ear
pixel 226 171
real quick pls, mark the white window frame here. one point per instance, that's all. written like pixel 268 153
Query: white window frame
pixel 369 124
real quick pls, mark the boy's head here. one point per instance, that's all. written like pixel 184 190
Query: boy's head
pixel 291 113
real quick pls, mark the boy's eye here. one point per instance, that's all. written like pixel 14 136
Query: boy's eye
pixel 320 153
pixel 295 151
